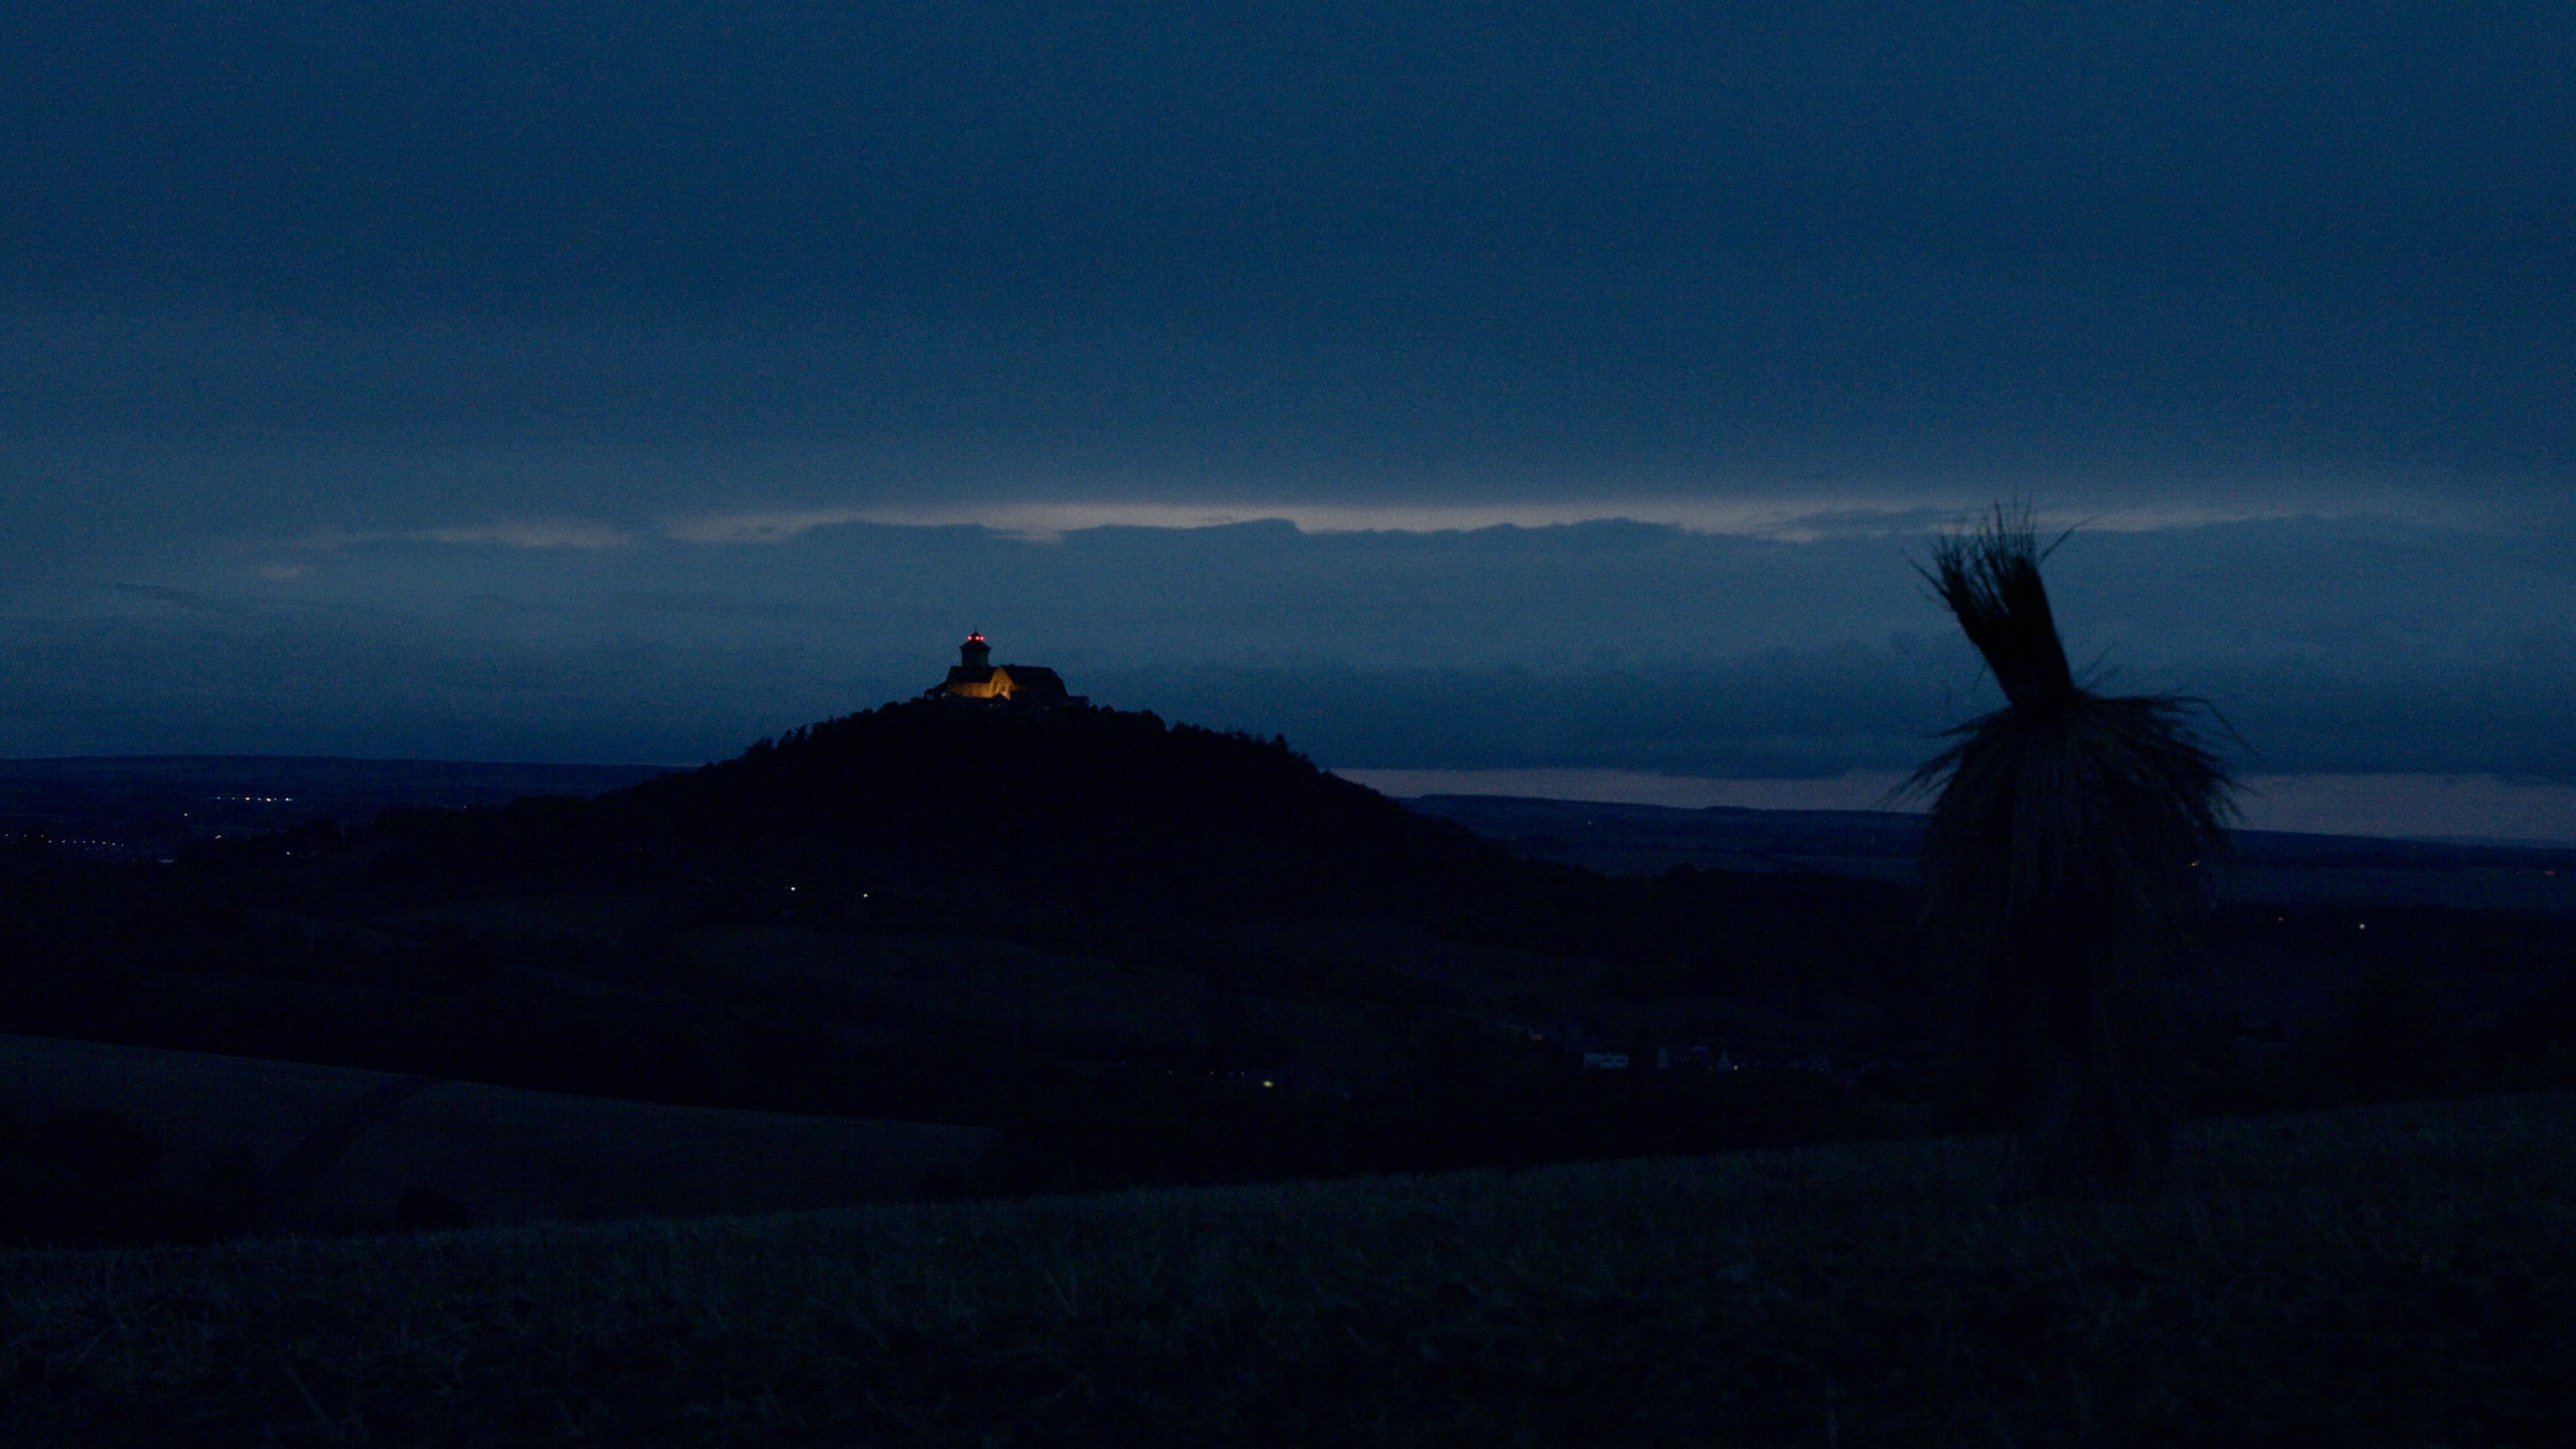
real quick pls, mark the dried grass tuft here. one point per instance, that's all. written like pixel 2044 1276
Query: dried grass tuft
pixel 2060 887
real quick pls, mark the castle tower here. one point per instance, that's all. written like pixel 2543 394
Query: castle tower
pixel 1019 686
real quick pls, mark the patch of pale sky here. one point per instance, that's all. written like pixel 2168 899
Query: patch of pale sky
pixel 530 533
pixel 1798 520
pixel 536 534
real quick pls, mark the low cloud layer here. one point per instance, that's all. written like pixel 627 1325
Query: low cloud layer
pixel 2352 646
pixel 581 381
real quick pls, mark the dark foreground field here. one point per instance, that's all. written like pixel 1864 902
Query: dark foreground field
pixel 2394 1275
pixel 336 1148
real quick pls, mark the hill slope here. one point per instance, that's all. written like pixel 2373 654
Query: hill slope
pixel 1142 952
pixel 334 1146
pixel 1092 807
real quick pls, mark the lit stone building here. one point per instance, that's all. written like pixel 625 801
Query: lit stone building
pixel 976 677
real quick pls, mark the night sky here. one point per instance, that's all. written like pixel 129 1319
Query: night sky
pixel 1475 386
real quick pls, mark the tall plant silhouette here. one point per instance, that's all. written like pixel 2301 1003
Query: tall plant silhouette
pixel 2059 880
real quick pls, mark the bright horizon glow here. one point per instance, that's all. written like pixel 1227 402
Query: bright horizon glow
pixel 2408 807
pixel 1796 520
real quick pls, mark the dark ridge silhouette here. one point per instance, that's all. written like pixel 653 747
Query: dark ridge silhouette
pixel 1092 808
pixel 1137 952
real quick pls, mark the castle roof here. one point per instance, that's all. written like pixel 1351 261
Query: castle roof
pixel 1032 678
pixel 1021 684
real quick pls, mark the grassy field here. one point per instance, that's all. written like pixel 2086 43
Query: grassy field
pixel 364 1139
pixel 2401 1275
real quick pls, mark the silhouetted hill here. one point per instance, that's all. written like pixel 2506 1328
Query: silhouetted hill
pixel 1089 807
pixel 1141 952
pixel 926 816
pixel 1137 951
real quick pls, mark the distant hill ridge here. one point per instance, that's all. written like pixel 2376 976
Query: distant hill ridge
pixel 1093 805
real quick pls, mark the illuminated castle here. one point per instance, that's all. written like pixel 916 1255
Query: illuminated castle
pixel 976 677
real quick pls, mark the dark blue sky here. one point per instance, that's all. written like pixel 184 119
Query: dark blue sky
pixel 447 332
